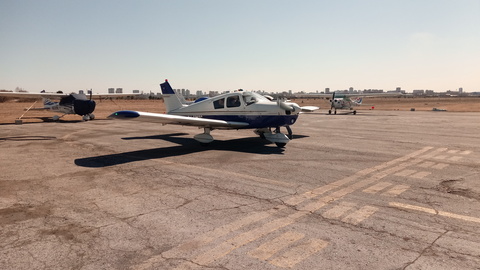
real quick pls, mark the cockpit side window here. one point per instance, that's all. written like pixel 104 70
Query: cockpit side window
pixel 249 99
pixel 233 101
pixel 219 104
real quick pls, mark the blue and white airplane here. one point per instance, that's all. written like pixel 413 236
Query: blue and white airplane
pixel 235 110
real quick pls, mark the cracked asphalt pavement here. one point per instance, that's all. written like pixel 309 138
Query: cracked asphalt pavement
pixel 376 190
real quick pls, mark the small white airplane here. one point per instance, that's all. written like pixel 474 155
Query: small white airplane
pixel 235 110
pixel 344 102
pixel 340 101
pixel 68 103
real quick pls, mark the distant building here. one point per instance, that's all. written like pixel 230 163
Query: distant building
pixel 327 90
pixel 119 90
pixel 418 92
pixel 111 90
pixel 136 91
pixel 429 92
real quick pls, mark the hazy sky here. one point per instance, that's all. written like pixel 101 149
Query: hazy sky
pixel 272 45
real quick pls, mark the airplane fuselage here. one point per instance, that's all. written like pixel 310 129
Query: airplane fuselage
pixel 343 104
pixel 239 107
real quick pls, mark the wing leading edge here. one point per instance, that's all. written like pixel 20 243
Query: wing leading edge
pixel 176 120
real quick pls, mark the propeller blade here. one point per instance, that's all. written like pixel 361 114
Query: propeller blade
pixel 285 106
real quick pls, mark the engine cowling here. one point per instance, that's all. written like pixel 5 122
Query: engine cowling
pixel 83 107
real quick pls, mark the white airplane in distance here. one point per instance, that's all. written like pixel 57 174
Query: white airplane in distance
pixel 235 110
pixel 68 103
pixel 344 102
pixel 339 101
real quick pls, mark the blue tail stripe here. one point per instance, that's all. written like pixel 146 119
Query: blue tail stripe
pixel 166 88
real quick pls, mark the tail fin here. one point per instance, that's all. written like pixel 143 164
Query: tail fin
pixel 47 103
pixel 358 100
pixel 171 99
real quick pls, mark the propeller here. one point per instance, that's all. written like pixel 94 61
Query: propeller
pixel 332 101
pixel 285 106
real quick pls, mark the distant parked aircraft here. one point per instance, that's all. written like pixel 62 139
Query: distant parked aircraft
pixel 68 103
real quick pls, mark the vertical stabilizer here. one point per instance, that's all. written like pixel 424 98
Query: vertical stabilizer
pixel 47 103
pixel 172 101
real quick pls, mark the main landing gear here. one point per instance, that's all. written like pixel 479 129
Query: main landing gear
pixel 205 137
pixel 87 117
pixel 276 136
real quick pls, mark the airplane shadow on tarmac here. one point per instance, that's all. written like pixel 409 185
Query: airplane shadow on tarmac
pixel 252 145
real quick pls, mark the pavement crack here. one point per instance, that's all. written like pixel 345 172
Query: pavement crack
pixel 425 250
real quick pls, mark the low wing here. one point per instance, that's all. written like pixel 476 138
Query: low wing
pixel 58 96
pixel 32 95
pixel 111 95
pixel 176 119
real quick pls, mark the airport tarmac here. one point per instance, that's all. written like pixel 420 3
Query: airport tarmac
pixel 376 190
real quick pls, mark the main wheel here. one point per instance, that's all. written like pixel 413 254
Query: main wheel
pixel 281 145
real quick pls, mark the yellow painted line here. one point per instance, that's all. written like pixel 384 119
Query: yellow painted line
pixel 420 175
pixel 434 212
pixel 208 237
pixel 228 246
pixel 426 164
pixel 268 249
pixel 433 153
pixel 338 210
pixel 360 215
pixel 467 152
pixel 240 240
pixel 296 200
pixel 377 187
pixel 405 172
pixel 299 253
pixel 314 206
pixel 455 158
pixel 440 166
pixel 396 190
pixel 204 239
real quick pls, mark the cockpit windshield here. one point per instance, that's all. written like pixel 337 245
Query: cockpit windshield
pixel 251 98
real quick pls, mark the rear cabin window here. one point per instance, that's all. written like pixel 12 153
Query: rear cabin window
pixel 233 101
pixel 219 104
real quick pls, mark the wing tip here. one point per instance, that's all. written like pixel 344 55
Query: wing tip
pixel 124 115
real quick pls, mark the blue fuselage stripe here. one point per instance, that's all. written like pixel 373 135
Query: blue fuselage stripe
pixel 257 121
